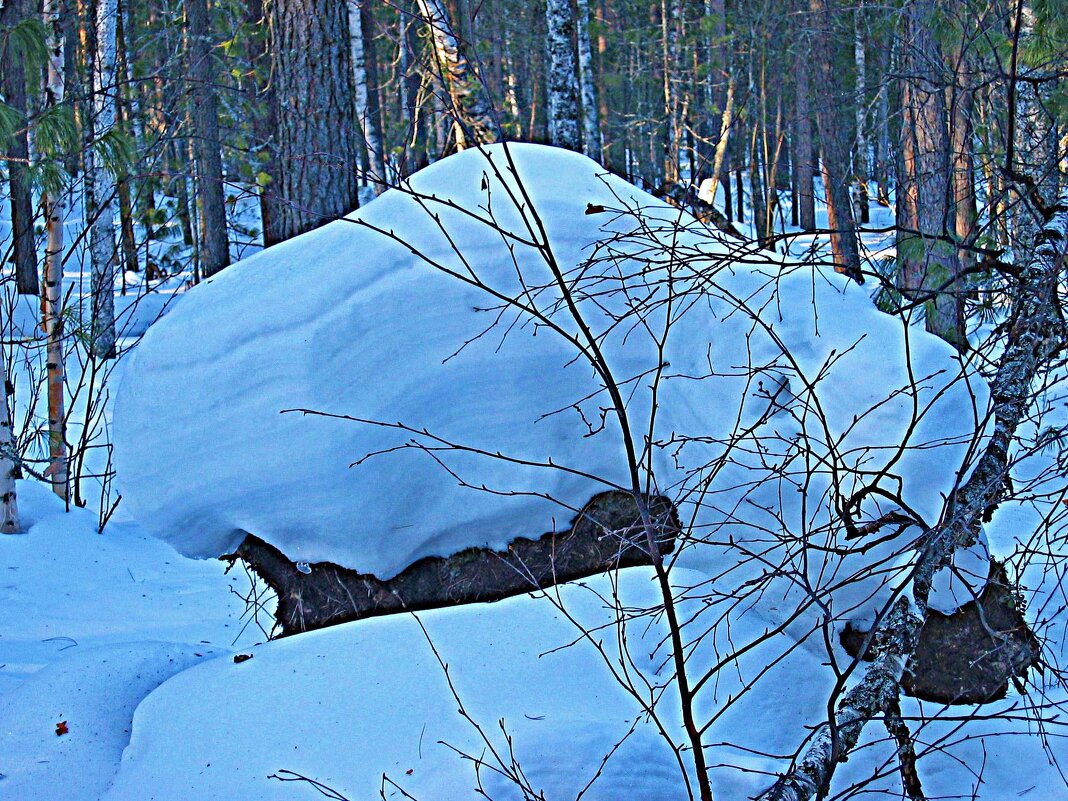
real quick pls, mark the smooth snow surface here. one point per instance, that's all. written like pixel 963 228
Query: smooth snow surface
pixel 777 384
pixel 350 704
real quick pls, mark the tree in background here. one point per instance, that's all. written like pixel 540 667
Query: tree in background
pixel 17 17
pixel 315 137
pixel 562 79
pixel 213 241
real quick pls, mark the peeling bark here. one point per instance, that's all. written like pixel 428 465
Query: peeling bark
pixel 468 103
pixel 100 186
pixel 561 81
pixel 9 508
pixel 52 294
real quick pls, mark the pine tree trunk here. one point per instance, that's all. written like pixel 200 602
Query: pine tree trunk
pixel 1034 139
pixel 214 243
pixel 881 167
pixel 926 253
pixel 961 132
pixel 123 116
pixel 317 126
pixel 591 128
pixel 99 185
pixel 804 152
pixel 13 84
pixel 264 119
pixel 670 14
pixel 412 88
pixel 561 79
pixel 831 100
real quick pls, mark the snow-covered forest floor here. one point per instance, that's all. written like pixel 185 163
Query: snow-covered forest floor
pixel 131 671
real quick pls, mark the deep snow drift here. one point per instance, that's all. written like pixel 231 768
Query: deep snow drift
pixel 778 383
pixel 779 391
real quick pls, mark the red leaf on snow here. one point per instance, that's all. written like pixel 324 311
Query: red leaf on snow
pixel 61 728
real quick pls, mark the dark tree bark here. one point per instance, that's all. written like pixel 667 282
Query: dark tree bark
pixel 13 77
pixel 835 145
pixel 264 118
pixel 316 115
pixel 804 153
pixel 927 256
pixel 961 133
pixel 214 244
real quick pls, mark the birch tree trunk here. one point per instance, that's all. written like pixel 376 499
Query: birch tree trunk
pixel 317 127
pixel 591 128
pixel 13 85
pixel 860 157
pixel 561 79
pixel 99 185
pixel 214 243
pixel 467 101
pixel 1036 335
pixel 365 92
pixel 719 157
pixel 9 508
pixel 52 296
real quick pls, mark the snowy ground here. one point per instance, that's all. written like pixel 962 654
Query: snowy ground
pixel 131 646
pixel 118 678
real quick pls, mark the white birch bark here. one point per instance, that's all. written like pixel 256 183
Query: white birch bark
pixel 561 82
pixel 9 509
pixel 467 102
pixel 1036 336
pixel 860 165
pixel 100 186
pixel 52 297
pixel 376 157
pixel 591 129
pixel 720 153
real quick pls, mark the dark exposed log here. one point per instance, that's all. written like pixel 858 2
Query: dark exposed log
pixel 607 534
pixel 968 657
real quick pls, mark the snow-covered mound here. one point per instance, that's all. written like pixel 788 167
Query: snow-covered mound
pixel 779 392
